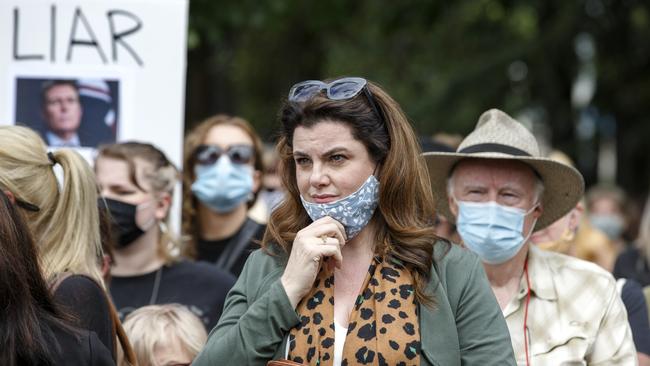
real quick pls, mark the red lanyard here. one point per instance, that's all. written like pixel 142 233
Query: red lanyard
pixel 526 311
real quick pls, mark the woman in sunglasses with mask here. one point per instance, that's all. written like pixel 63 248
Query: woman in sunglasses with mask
pixel 221 178
pixel 351 271
pixel 137 182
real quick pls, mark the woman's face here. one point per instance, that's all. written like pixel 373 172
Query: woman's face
pixel 113 177
pixel 330 163
pixel 226 136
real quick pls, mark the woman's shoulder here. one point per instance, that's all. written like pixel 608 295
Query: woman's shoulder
pixel 80 347
pixel 453 263
pixel 262 266
pixel 77 283
pixel 447 254
pixel 266 260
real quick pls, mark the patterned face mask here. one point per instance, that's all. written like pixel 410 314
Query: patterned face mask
pixel 353 212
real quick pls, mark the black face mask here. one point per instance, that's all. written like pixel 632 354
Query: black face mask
pixel 122 216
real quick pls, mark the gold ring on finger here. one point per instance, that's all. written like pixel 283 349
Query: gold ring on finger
pixel 317 259
pixel 324 238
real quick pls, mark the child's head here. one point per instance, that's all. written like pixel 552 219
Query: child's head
pixel 164 335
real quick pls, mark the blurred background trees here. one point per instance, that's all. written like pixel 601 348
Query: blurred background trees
pixel 577 72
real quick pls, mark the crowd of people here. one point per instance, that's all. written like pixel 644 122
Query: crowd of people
pixel 344 244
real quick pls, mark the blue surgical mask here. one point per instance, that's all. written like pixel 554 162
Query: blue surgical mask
pixel 492 231
pixel 353 212
pixel 611 224
pixel 223 186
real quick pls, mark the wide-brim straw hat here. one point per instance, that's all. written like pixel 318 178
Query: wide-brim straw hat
pixel 497 136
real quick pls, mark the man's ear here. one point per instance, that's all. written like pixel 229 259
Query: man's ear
pixel 537 212
pixel 576 216
pixel 453 206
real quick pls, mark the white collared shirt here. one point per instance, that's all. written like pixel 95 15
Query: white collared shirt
pixel 53 140
pixel 575 314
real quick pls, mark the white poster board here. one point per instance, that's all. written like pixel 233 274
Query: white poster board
pixel 126 57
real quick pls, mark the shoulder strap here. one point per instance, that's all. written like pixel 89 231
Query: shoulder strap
pixel 237 245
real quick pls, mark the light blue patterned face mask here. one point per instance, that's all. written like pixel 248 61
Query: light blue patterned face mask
pixel 491 230
pixel 353 212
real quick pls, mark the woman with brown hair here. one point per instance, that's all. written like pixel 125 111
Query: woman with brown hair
pixel 63 218
pixel 221 178
pixel 351 271
pixel 137 183
pixel 34 331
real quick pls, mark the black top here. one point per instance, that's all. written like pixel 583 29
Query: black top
pixel 199 286
pixel 83 348
pixel 631 264
pixel 637 315
pixel 83 299
pixel 250 232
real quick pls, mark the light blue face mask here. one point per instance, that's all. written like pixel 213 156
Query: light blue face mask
pixel 223 186
pixel 353 212
pixel 610 224
pixel 492 231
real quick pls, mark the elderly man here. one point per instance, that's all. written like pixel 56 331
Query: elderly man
pixel 559 310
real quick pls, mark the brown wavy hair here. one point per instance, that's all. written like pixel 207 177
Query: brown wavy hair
pixel 192 141
pixel 404 218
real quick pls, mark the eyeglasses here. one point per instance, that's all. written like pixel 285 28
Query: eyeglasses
pixel 340 89
pixel 209 154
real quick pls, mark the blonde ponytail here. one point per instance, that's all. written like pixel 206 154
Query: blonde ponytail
pixel 66 226
pixel 71 242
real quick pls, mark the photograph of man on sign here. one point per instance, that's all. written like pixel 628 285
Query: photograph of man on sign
pixel 69 112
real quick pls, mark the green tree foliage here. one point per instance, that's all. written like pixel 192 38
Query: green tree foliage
pixel 444 61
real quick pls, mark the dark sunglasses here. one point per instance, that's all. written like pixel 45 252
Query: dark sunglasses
pixel 209 154
pixel 340 89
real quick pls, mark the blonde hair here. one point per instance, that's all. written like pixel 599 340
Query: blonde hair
pixel 162 177
pixel 66 225
pixel 158 325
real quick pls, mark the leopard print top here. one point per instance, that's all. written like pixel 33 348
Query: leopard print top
pixel 383 328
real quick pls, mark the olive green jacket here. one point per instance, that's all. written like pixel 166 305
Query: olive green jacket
pixel 465 327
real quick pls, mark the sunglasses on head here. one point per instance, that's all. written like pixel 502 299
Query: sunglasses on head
pixel 340 89
pixel 209 154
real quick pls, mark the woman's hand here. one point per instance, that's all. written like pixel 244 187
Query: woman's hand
pixel 323 238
